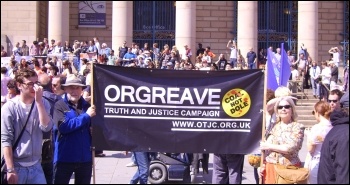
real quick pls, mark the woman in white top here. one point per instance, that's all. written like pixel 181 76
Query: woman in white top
pixel 335 52
pixel 315 72
pixel 315 138
pixel 326 75
pixel 206 57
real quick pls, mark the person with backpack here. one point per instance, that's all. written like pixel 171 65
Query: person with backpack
pixel 47 153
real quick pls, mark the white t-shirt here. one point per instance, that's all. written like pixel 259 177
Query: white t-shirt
pixel 336 58
pixel 233 52
pixel 98 47
pixel 295 74
pixel 326 75
pixel 184 56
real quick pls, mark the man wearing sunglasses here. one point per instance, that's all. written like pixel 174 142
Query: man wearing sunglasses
pixel 334 99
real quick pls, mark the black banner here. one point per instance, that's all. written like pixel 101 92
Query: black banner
pixel 177 111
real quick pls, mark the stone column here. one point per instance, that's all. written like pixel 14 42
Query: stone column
pixel 308 27
pixel 185 29
pixel 247 27
pixel 122 24
pixel 58 26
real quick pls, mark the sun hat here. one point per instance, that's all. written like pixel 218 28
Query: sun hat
pixel 73 80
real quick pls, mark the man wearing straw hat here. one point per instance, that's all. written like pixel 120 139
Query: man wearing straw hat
pixel 72 116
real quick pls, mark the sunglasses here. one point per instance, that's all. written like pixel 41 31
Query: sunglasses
pixel 54 85
pixel 283 106
pixel 334 101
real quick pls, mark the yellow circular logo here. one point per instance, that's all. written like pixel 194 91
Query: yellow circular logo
pixel 236 102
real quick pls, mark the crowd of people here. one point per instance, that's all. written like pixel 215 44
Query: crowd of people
pixel 60 91
pixel 321 77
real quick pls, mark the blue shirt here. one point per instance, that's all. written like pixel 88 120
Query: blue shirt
pixel 129 56
pixel 251 56
pixel 92 49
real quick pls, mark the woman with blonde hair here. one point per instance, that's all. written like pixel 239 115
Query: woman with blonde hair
pixel 315 138
pixel 284 142
pixel 281 91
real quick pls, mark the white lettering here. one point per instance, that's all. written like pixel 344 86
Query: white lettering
pixel 130 94
pixel 200 99
pixel 160 96
pixel 147 95
pixel 171 95
pixel 212 96
pixel 186 96
pixel 117 96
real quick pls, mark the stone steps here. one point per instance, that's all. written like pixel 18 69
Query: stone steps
pixel 304 109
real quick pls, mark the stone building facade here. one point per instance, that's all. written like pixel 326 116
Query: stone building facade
pixel 320 24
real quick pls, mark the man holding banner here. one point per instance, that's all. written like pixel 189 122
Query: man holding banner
pixel 72 116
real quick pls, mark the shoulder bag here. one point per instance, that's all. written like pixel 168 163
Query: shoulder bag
pixel 291 174
pixel 3 163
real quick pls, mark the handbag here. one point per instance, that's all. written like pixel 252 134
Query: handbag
pixel 3 163
pixel 291 174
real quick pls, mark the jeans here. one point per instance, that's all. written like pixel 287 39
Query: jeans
pixel 251 65
pixel 324 91
pixel 315 88
pixel 48 171
pixel 233 62
pixel 64 171
pixel 142 161
pixel 31 175
pixel 133 158
pixel 228 168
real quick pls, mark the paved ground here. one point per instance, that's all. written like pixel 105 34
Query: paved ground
pixel 112 170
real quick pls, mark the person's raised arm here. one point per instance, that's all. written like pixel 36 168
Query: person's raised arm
pixel 228 44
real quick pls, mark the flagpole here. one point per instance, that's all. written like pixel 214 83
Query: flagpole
pixel 281 64
pixel 263 129
pixel 92 104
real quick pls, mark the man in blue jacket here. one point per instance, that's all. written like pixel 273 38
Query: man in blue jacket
pixel 72 116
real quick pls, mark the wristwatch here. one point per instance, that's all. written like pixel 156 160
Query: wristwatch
pixel 10 170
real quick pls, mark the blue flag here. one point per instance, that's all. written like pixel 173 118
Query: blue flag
pixel 271 77
pixel 285 67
